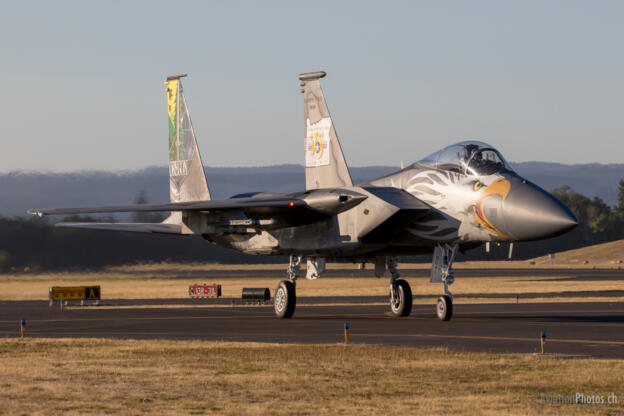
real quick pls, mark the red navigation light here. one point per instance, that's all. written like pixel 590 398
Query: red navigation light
pixel 291 204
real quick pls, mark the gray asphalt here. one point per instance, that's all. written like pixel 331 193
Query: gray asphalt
pixel 577 329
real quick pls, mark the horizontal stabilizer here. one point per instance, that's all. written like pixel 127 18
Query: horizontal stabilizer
pixel 136 227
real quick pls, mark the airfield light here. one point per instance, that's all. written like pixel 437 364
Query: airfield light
pixel 22 326
pixel 543 341
pixel 346 332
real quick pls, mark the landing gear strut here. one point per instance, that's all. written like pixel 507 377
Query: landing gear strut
pixel 285 298
pixel 442 272
pixel 400 291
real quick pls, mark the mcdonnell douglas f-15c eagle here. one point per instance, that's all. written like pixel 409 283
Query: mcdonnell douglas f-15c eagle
pixel 456 198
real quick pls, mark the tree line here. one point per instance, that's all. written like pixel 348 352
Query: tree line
pixel 33 244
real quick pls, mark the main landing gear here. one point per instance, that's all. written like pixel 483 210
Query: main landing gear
pixel 400 291
pixel 285 298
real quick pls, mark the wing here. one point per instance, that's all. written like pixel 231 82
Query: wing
pixel 203 206
pixel 261 210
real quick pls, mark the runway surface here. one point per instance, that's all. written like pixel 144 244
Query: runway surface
pixel 593 329
pixel 586 329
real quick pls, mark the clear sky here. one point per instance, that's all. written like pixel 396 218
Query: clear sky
pixel 82 81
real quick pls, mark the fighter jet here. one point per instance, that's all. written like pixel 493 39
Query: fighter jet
pixel 454 199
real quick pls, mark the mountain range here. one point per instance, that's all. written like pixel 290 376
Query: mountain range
pixel 24 190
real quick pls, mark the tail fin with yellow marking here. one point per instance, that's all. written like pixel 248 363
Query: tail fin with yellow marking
pixel 187 181
pixel 324 162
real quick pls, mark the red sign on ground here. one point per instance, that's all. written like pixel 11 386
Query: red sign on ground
pixel 205 291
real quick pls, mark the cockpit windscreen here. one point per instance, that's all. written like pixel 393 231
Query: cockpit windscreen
pixel 470 157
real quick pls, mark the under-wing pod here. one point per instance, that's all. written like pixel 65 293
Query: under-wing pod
pixel 332 201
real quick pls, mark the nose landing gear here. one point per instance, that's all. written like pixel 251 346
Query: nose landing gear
pixel 442 272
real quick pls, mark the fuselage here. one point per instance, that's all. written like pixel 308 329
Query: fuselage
pixel 465 205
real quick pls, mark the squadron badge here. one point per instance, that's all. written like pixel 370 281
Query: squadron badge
pixel 317 143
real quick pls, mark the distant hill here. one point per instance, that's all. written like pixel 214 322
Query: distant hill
pixel 600 255
pixel 23 190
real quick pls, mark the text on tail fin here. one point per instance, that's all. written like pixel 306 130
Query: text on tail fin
pixel 187 181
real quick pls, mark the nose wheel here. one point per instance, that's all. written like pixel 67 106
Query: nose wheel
pixel 444 308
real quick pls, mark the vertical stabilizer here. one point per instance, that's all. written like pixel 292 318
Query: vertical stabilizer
pixel 324 162
pixel 187 181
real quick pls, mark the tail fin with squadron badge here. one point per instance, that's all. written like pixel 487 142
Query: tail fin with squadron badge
pixel 324 162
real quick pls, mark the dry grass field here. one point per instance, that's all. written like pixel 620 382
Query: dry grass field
pixel 95 376
pixel 128 286
pixel 160 281
pixel 167 280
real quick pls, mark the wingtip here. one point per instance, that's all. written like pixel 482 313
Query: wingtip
pixel 35 213
pixel 172 77
pixel 309 76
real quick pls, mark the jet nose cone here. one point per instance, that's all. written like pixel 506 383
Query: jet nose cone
pixel 530 213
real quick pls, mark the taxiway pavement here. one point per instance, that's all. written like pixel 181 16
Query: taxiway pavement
pixel 593 329
pixel 578 329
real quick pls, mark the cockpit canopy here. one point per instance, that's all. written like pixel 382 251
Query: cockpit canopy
pixel 469 157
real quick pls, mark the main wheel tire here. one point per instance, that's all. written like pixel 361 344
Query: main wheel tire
pixel 444 308
pixel 285 299
pixel 404 305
